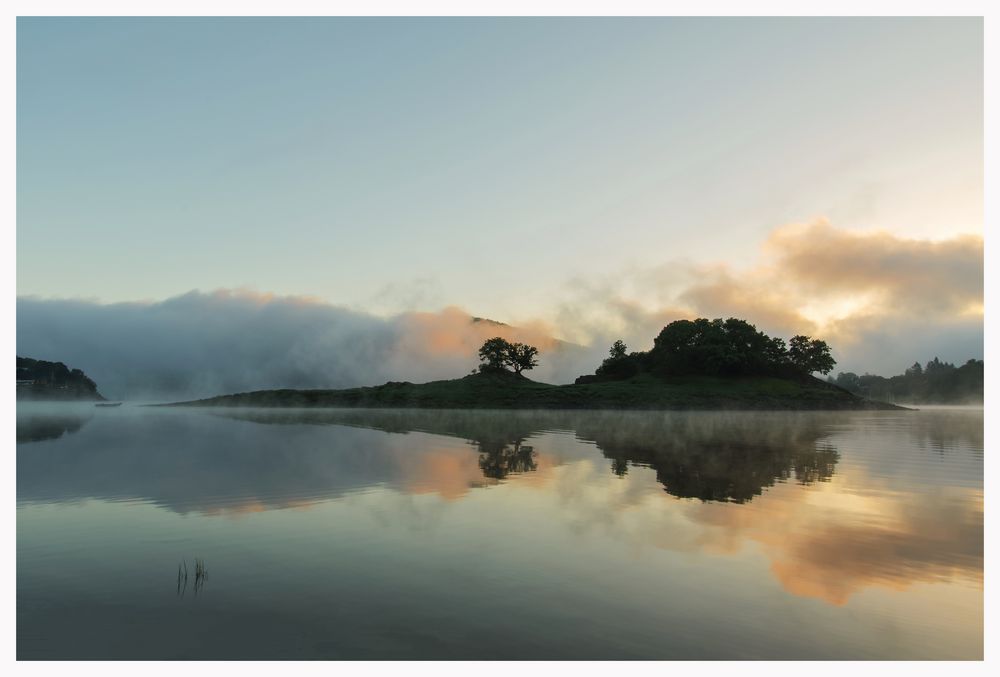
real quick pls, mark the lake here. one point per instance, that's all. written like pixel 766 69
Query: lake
pixel 350 534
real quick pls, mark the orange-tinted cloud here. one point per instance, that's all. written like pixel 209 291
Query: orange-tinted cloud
pixel 870 294
pixel 897 275
pixel 724 295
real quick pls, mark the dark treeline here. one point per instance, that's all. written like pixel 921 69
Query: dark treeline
pixel 52 380
pixel 717 347
pixel 936 383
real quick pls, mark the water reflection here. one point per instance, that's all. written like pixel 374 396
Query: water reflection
pixel 37 428
pixel 730 457
pixel 827 545
pixel 836 502
pixel 709 456
pixel 497 461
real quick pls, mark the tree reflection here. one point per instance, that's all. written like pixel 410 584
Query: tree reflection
pixel 619 466
pixel 39 428
pixel 497 461
pixel 714 457
pixel 815 465
pixel 711 456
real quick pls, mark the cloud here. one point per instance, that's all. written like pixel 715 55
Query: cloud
pixel 202 344
pixel 724 295
pixel 881 300
pixel 893 275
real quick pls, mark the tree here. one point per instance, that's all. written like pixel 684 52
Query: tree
pixel 689 347
pixel 619 364
pixel 714 347
pixel 493 354
pixel 704 347
pixel 775 352
pixel 746 349
pixel 521 357
pixel 848 380
pixel 808 355
pixel 936 366
pixel 497 354
pixel 618 350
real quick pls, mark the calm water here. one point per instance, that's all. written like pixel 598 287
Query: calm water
pixel 410 535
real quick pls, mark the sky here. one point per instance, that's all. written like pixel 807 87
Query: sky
pixel 585 177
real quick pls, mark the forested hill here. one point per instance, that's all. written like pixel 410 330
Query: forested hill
pixel 936 383
pixel 41 380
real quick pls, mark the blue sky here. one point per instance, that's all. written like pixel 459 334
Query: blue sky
pixel 393 164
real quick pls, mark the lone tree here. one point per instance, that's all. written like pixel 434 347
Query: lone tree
pixel 498 354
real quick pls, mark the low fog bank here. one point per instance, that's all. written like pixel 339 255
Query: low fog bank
pixel 198 344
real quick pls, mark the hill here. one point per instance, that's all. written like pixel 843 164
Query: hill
pixel 41 380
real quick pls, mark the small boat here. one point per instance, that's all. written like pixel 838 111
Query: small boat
pixel 108 404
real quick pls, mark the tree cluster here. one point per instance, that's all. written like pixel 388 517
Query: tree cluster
pixel 53 374
pixel 39 379
pixel 499 355
pixel 938 382
pixel 717 347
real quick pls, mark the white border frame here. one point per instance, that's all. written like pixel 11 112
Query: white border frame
pixel 489 8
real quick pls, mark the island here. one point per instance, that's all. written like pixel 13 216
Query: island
pixel 42 380
pixel 693 364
